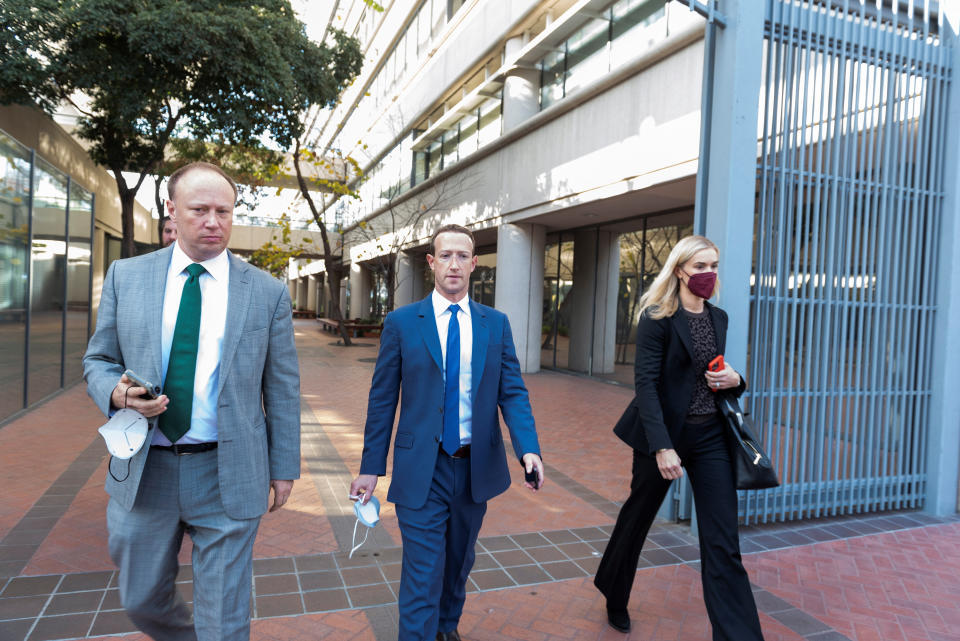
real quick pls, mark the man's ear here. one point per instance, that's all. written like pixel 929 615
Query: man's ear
pixel 171 211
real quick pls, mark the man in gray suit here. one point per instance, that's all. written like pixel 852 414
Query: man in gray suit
pixel 219 334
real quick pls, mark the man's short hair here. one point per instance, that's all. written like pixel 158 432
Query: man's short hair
pixel 163 221
pixel 456 229
pixel 186 169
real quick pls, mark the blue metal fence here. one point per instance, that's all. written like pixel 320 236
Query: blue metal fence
pixel 850 195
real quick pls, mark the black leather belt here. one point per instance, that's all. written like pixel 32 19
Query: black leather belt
pixel 187 448
pixel 462 452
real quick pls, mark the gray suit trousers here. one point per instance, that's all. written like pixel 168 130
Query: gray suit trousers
pixel 181 494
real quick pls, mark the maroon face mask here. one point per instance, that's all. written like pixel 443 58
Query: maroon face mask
pixel 702 284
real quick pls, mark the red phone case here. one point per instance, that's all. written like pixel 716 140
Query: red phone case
pixel 716 364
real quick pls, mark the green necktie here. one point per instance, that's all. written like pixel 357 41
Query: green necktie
pixel 182 365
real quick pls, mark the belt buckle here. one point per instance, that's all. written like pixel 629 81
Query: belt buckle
pixel 177 452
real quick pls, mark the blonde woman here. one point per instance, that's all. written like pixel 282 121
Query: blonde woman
pixel 673 425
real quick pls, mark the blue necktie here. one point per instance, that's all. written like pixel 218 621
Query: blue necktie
pixel 451 392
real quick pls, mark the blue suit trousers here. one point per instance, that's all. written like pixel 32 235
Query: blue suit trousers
pixel 438 552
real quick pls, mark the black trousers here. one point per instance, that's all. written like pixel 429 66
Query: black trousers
pixel 727 595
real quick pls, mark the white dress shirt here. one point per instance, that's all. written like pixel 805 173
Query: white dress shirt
pixel 214 287
pixel 441 314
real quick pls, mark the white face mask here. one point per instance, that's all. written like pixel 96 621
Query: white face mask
pixel 367 513
pixel 125 433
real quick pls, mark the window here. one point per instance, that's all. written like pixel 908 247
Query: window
pixel 587 57
pixel 551 78
pixel 490 122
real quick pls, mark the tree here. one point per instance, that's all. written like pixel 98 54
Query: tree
pixel 342 173
pixel 399 223
pixel 274 255
pixel 142 73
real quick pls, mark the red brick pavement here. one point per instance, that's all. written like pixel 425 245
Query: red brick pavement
pixel 891 586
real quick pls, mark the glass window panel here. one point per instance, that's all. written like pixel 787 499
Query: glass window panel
pixel 434 158
pixel 411 49
pixel 490 122
pixel 468 134
pixel 450 142
pixel 558 281
pixel 47 280
pixel 79 254
pixel 453 6
pixel 637 26
pixel 423 29
pixel 551 78
pixel 587 55
pixel 438 16
pixel 14 225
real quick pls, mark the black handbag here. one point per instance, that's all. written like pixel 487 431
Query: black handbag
pixel 752 467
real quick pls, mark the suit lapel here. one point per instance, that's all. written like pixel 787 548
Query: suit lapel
pixel 481 338
pixel 682 328
pixel 428 329
pixel 156 279
pixel 238 302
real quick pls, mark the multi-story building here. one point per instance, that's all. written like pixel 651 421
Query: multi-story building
pixel 811 139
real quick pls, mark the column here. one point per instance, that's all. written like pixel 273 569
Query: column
pixel 731 182
pixel 519 287
pixel 593 310
pixel 302 292
pixel 359 291
pixel 521 90
pixel 311 294
pixel 943 437
pixel 403 293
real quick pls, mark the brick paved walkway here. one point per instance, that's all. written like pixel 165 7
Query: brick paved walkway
pixel 887 577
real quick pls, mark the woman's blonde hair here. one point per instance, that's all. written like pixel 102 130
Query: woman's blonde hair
pixel 663 297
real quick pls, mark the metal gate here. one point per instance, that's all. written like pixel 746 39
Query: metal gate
pixel 850 192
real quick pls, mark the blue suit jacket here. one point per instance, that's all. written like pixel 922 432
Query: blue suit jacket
pixel 410 361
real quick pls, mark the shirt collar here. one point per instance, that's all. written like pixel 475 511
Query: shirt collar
pixel 441 304
pixel 218 266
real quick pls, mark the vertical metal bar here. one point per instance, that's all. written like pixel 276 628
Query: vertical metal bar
pixel 29 301
pixel 778 273
pixel 853 264
pixel 66 277
pixel 804 244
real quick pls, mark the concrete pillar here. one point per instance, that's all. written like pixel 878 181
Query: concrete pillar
pixel 302 294
pixel 521 90
pixel 311 294
pixel 519 287
pixel 360 282
pixel 943 438
pixel 731 191
pixel 403 293
pixel 593 310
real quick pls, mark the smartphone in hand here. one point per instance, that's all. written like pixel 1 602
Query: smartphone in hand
pixel 716 364
pixel 153 391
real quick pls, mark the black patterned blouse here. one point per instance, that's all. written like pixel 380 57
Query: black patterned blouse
pixel 703 404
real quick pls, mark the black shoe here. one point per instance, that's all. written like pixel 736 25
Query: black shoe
pixel 619 620
pixel 453 635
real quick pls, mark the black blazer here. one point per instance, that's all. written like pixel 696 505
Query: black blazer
pixel 664 377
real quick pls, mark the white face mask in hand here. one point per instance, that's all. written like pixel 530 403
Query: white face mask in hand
pixel 125 433
pixel 367 513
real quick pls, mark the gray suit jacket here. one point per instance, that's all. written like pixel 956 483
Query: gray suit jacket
pixel 258 411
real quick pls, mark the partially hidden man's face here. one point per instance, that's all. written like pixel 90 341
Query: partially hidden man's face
pixel 169 233
pixel 202 208
pixel 452 263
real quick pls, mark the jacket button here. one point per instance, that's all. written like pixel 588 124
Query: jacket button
pixel 436 438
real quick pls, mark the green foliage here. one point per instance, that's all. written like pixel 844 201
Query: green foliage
pixel 274 256
pixel 226 70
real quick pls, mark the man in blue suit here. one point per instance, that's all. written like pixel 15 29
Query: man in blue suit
pixel 455 362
